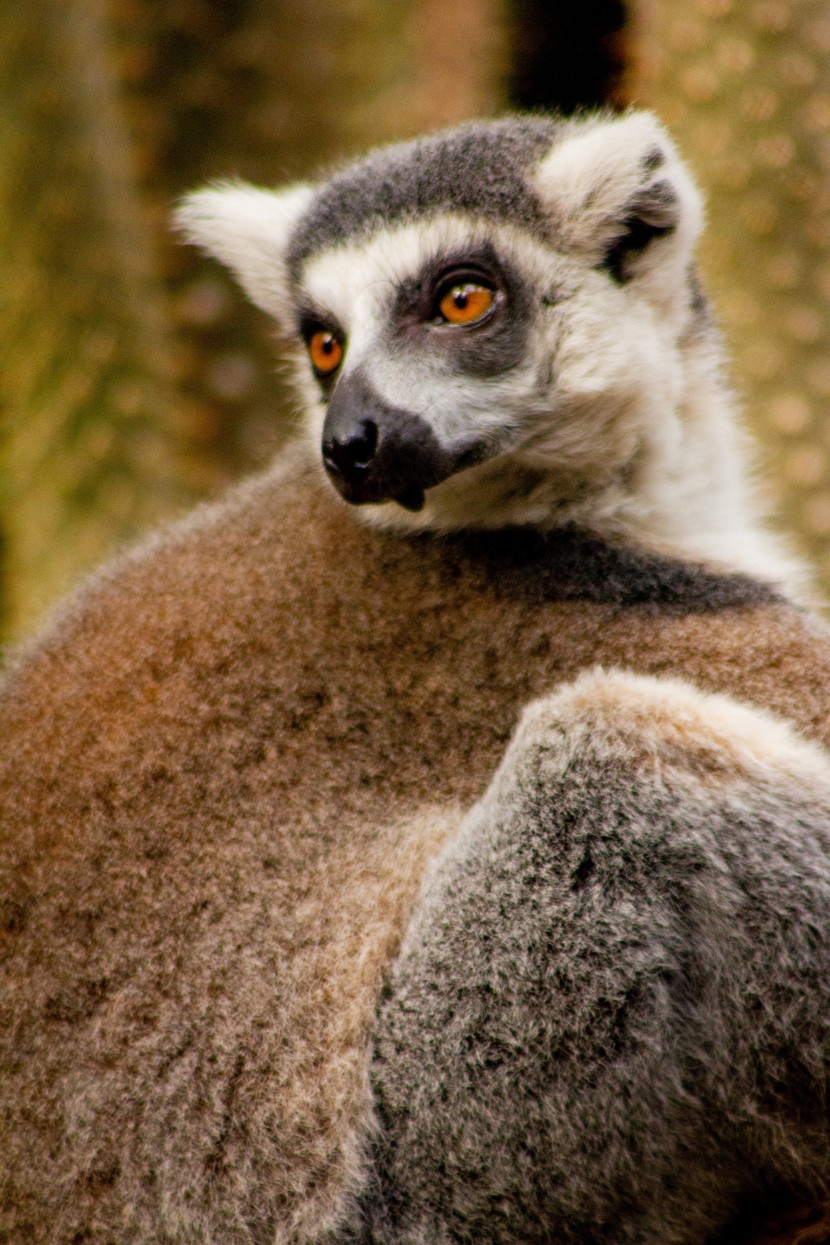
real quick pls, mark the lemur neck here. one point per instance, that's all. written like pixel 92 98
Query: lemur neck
pixel 696 495
pixel 683 489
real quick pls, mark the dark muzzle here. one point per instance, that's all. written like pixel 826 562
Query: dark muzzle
pixel 374 452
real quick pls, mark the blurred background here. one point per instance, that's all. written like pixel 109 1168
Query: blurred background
pixel 134 380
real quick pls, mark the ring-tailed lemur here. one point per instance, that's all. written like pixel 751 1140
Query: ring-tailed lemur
pixel 298 949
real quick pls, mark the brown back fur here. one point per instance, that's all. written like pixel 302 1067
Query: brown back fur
pixel 223 771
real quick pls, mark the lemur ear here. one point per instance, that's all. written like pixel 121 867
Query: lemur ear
pixel 248 229
pixel 615 189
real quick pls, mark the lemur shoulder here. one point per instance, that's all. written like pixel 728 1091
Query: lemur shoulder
pixel 300 946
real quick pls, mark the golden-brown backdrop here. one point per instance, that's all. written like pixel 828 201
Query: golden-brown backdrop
pixel 745 87
pixel 133 378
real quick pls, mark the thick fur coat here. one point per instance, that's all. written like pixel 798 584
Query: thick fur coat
pixel 223 772
pixel 298 946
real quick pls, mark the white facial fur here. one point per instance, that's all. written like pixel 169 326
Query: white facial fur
pixel 567 419
pixel 616 416
pixel 248 230
pixel 584 180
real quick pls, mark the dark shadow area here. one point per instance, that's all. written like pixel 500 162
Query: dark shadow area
pixel 567 56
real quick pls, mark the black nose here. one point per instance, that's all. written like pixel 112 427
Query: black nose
pixel 375 452
pixel 350 452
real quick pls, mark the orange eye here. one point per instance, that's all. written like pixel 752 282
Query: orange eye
pixel 466 302
pixel 326 351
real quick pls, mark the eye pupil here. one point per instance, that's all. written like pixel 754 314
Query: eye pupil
pixel 326 350
pixel 465 303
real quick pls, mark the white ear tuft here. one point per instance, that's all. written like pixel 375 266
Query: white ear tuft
pixel 616 185
pixel 248 229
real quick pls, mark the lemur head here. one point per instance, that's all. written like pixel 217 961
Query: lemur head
pixel 493 317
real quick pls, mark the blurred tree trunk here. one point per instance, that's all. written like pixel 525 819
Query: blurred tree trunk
pixel 133 374
pixel 745 90
pixel 567 56
pixel 88 448
pixel 270 92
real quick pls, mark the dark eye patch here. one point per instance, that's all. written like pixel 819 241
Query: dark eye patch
pixel 485 347
pixel 311 320
pixel 419 295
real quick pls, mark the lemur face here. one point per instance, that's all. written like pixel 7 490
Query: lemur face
pixel 478 310
pixel 421 343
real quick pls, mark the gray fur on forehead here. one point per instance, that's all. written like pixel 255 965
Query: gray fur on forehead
pixel 478 168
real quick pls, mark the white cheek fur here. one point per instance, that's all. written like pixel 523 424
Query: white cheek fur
pixel 617 417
